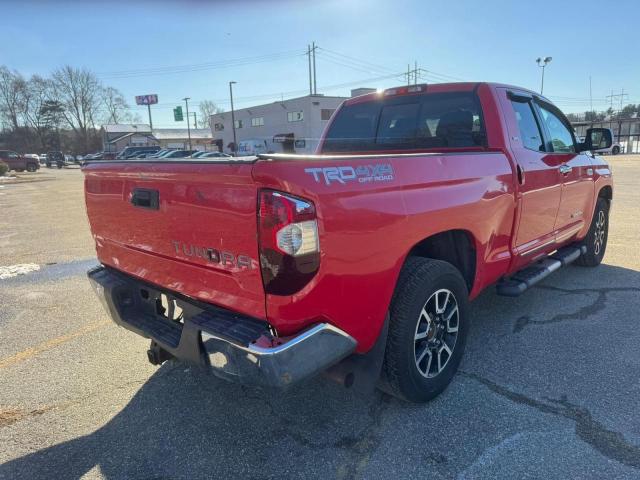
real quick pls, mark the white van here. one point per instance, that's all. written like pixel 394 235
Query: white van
pixel 252 147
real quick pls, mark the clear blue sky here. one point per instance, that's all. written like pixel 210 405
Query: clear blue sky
pixel 363 40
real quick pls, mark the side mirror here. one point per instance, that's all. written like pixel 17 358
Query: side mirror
pixel 596 139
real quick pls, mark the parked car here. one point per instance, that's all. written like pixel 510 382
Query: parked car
pixel 131 152
pixel 55 158
pixel 42 158
pixel 214 155
pixel 160 153
pixel 361 259
pixel 18 162
pixel 177 154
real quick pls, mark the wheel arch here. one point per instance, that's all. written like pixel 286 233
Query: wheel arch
pixel 457 247
pixel 606 192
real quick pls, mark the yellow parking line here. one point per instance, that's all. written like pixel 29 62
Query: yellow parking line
pixel 49 344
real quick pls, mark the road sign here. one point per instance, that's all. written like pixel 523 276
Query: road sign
pixel 177 114
pixel 147 99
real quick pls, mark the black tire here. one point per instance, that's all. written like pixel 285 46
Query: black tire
pixel 403 375
pixel 60 165
pixel 615 150
pixel 48 165
pixel 596 239
pixel 31 167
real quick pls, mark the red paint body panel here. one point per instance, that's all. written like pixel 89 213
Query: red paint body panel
pixel 202 206
pixel 366 230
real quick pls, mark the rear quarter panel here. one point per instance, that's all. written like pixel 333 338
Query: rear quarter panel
pixel 367 228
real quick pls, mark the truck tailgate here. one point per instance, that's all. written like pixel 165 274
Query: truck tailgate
pixel 186 226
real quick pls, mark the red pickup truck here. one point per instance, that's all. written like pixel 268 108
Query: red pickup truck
pixel 362 259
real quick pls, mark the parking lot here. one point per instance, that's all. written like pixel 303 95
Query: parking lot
pixel 549 386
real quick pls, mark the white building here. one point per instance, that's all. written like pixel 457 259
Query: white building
pixel 291 126
pixel 116 137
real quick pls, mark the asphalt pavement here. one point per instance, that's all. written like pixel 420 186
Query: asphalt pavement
pixel 549 386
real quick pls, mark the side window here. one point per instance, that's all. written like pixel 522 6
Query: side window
pixel 561 138
pixel 528 126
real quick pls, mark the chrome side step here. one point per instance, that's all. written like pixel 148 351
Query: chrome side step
pixel 520 281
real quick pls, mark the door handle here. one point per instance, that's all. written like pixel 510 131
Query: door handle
pixel 565 169
pixel 145 198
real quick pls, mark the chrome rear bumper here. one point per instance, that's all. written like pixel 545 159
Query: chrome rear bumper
pixel 232 346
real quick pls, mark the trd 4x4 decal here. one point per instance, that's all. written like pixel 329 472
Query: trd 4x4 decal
pixel 379 172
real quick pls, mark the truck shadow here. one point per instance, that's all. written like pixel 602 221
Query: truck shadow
pixel 185 423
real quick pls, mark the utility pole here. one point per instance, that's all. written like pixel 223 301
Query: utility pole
pixel 611 98
pixel 542 62
pixel 412 73
pixel 186 101
pixel 620 96
pixel 150 122
pixel 310 80
pixel 233 118
pixel 315 84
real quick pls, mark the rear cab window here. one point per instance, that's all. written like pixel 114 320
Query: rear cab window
pixel 439 121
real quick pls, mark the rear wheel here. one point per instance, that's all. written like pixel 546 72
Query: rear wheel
pixel 596 239
pixel 615 150
pixel 31 167
pixel 428 328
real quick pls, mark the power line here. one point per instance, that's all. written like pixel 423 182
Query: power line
pixel 197 67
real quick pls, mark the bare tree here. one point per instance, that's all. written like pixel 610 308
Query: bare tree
pixel 116 108
pixel 79 92
pixel 12 91
pixel 207 108
pixel 38 96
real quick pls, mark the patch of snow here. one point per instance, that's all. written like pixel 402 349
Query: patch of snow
pixel 6 179
pixel 15 270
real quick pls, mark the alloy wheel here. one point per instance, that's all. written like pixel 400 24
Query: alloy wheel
pixel 436 333
pixel 598 241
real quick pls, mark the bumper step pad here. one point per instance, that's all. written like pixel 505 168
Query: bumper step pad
pixel 520 281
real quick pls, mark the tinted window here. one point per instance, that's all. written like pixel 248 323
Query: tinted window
pixel 354 128
pixel 561 138
pixel 528 126
pixel 438 120
pixel 398 124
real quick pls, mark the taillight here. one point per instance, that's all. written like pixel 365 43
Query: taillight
pixel 289 243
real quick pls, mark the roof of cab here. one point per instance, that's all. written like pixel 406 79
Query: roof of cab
pixel 441 88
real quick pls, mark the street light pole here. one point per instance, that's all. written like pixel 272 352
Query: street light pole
pixel 233 118
pixel 542 62
pixel 186 101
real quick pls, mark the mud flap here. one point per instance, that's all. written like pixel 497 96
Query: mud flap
pixel 361 373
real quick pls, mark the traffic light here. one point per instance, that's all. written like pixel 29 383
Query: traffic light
pixel 177 114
